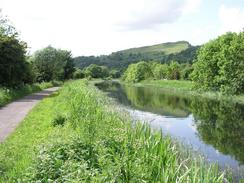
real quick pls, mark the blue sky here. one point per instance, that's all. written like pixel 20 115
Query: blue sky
pixel 95 27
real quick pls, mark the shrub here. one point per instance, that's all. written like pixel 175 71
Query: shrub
pixel 137 72
pixel 78 74
pixel 220 64
pixel 173 71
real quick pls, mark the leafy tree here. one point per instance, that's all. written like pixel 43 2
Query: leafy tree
pixel 159 70
pixel 13 68
pixel 114 73
pixel 95 71
pixel 78 74
pixel 52 64
pixel 220 64
pixel 137 72
pixel 173 71
pixel 185 71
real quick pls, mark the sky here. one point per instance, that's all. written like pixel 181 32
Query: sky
pixel 98 27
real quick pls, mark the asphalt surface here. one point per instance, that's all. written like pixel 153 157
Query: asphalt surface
pixel 12 114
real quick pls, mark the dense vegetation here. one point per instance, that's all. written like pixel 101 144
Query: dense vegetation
pixel 14 70
pixel 181 51
pixel 220 64
pixel 93 143
pixel 154 70
pixel 52 64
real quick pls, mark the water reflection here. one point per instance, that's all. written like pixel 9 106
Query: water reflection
pixel 214 127
pixel 221 124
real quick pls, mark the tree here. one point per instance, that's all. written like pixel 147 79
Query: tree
pixel 95 71
pixel 13 67
pixel 185 71
pixel 78 74
pixel 159 70
pixel 220 64
pixel 137 72
pixel 114 73
pixel 173 71
pixel 52 64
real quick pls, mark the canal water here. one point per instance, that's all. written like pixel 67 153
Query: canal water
pixel 213 128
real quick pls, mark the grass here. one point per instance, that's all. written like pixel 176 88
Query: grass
pixel 96 143
pixel 167 48
pixel 181 87
pixel 9 94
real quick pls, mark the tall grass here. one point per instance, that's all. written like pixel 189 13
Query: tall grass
pixel 98 144
pixel 9 94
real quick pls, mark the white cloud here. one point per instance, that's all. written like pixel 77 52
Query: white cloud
pixel 232 19
pixel 191 6
pixel 148 14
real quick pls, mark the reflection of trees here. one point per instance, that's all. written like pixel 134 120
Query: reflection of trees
pixel 157 101
pixel 221 124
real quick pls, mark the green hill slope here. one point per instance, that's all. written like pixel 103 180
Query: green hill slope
pixel 181 51
pixel 166 48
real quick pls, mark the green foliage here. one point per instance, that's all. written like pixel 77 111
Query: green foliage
pixel 52 64
pixel 59 120
pixel 108 148
pixel 114 73
pixel 6 28
pixel 154 70
pixel 221 124
pixel 9 94
pixel 173 71
pixel 78 74
pixel 14 70
pixel 137 72
pixel 220 64
pixel 185 71
pixel 159 70
pixel 181 51
pixel 95 71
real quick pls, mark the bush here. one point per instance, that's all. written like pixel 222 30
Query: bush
pixel 159 70
pixel 114 73
pixel 14 70
pixel 137 72
pixel 220 64
pixel 173 71
pixel 78 74
pixel 95 71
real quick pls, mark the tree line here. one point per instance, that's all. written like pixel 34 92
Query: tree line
pixel 121 60
pixel 219 66
pixel 17 68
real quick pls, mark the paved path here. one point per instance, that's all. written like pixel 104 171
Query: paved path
pixel 12 114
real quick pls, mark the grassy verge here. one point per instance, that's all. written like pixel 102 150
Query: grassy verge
pixel 7 94
pixel 79 136
pixel 186 88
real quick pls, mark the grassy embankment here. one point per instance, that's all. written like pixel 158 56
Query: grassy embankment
pixel 85 139
pixel 8 94
pixel 186 88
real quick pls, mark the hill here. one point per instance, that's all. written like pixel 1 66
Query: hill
pixel 181 51
pixel 166 48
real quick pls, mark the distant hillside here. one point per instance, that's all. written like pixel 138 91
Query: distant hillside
pixel 181 51
pixel 166 48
